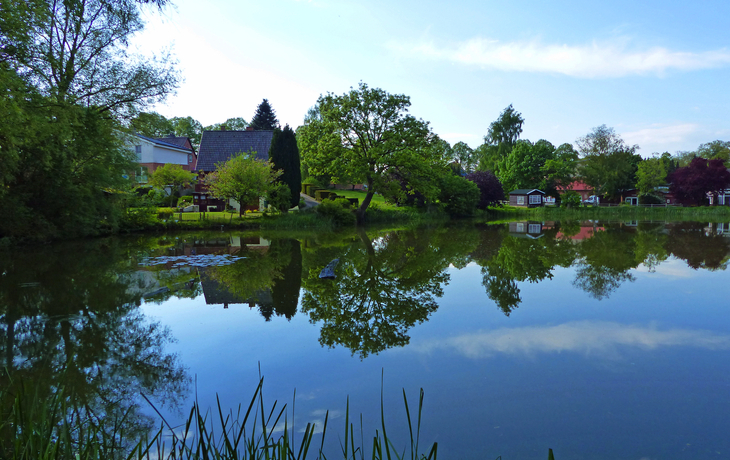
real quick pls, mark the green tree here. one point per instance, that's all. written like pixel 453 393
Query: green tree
pixel 173 177
pixel 715 150
pixel 265 117
pixel 506 129
pixel 523 166
pixel 609 165
pixel 464 155
pixel 232 124
pixel 188 127
pixel 559 171
pixel 284 156
pixel 650 174
pixel 75 52
pixel 366 136
pixel 242 178
pixel 151 124
pixel 458 196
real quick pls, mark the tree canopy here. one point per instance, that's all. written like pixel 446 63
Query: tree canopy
pixel 173 176
pixel 265 117
pixel 691 184
pixel 366 136
pixel 242 178
pixel 608 165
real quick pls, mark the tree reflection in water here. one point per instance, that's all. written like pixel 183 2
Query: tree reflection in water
pixel 383 287
pixel 69 318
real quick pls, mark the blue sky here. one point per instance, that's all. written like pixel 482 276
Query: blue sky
pixel 657 72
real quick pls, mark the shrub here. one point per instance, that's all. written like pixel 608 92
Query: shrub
pixel 570 199
pixel 458 196
pixel 279 197
pixel 650 199
pixel 338 211
pixel 184 201
pixel 491 192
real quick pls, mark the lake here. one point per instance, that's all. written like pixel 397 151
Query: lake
pixel 600 340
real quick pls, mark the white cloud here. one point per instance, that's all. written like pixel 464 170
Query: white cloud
pixel 660 134
pixel 607 59
pixel 587 337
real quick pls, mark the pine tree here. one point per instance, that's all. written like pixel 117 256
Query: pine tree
pixel 284 155
pixel 265 117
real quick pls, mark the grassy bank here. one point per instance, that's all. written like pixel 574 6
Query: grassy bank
pixel 702 214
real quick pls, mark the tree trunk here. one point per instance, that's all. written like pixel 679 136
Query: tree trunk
pixel 360 213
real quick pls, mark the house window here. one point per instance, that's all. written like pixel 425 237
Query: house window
pixel 190 158
pixel 520 200
pixel 138 151
pixel 535 199
pixel 520 227
pixel 534 228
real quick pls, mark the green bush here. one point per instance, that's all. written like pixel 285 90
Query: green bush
pixel 338 211
pixel 458 196
pixel 279 197
pixel 184 201
pixel 570 199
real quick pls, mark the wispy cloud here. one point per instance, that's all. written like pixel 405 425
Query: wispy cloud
pixel 658 134
pixel 607 59
pixel 587 337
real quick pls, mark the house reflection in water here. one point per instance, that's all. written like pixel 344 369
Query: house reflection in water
pixel 268 276
pixel 527 229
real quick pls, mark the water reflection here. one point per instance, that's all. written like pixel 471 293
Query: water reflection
pixel 69 318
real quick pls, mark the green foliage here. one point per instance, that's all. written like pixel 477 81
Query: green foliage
pixel 171 176
pixel 651 173
pixel 464 155
pixel 188 127
pixel 232 124
pixel 523 166
pixel 151 124
pixel 458 196
pixel 75 52
pixel 242 178
pixel 338 211
pixel 284 156
pixel 506 129
pixel 364 136
pixel 279 197
pixel 570 199
pixel 609 165
pixel 559 171
pixel 184 201
pixel 265 117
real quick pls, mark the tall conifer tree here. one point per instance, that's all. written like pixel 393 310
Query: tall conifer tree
pixel 284 155
pixel 265 117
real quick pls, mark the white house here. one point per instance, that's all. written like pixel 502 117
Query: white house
pixel 155 152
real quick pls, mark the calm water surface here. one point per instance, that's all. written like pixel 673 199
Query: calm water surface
pixel 599 340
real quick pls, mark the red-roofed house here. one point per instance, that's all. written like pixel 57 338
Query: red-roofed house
pixel 581 188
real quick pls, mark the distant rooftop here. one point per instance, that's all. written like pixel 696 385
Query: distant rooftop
pixel 218 146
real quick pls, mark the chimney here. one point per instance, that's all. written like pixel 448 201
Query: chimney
pixel 249 128
pixel 223 128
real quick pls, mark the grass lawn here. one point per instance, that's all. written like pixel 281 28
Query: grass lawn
pixel 360 195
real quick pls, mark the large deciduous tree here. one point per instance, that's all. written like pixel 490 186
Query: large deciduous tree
pixel 151 124
pixel 691 184
pixel 265 117
pixel 284 156
pixel 75 51
pixel 651 174
pixel 464 155
pixel 242 178
pixel 501 137
pixel 67 79
pixel 609 165
pixel 367 136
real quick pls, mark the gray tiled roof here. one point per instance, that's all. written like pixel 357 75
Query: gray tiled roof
pixel 175 140
pixel 162 141
pixel 218 146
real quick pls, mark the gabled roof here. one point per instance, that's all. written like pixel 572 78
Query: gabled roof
pixel 525 191
pixel 218 146
pixel 182 142
pixel 163 143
